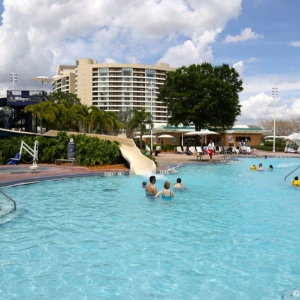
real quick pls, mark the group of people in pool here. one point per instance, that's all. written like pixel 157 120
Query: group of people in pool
pixel 295 182
pixel 260 167
pixel 166 193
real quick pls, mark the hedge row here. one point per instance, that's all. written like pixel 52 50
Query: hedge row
pixel 90 151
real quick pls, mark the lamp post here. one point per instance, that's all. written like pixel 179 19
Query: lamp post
pixel 151 87
pixel 13 78
pixel 274 94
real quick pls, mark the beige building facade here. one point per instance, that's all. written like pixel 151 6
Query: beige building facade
pixel 115 86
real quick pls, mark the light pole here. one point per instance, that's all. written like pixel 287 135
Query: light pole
pixel 13 78
pixel 151 88
pixel 274 94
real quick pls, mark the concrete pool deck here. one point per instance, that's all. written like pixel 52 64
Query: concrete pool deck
pixel 21 174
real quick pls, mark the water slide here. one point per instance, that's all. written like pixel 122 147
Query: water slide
pixel 139 163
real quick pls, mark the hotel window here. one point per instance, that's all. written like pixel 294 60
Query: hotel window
pixel 103 71
pixel 127 71
pixel 150 73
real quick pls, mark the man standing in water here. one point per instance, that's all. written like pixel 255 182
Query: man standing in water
pixel 150 188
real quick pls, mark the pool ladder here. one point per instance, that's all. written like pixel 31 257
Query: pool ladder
pixel 10 199
pixel 291 173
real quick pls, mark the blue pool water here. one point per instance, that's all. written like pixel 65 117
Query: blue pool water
pixel 232 234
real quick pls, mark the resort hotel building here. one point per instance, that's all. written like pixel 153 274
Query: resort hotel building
pixel 115 86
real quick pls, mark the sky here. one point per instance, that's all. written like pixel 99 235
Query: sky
pixel 259 38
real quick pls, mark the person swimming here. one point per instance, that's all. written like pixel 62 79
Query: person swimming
pixel 178 184
pixel 150 188
pixel 167 193
pixel 296 181
pixel 144 184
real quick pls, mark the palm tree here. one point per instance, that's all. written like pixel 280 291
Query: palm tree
pixel 140 119
pixel 44 111
pixel 83 116
pixel 103 121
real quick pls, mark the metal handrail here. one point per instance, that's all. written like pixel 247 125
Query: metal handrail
pixel 12 200
pixel 291 173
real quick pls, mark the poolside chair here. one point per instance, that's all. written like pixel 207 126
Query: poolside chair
pixel 199 149
pixel 15 160
pixel 235 150
pixel 157 150
pixel 243 150
pixel 148 150
pixel 179 150
pixel 248 150
pixel 193 150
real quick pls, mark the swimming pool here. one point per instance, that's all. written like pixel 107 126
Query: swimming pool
pixel 232 234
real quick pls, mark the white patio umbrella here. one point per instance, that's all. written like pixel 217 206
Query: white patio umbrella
pixel 293 136
pixel 165 136
pixel 203 132
pixel 148 136
pixel 42 79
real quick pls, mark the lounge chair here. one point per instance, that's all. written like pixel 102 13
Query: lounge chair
pixel 199 150
pixel 179 150
pixel 148 150
pixel 157 150
pixel 243 150
pixel 193 150
pixel 218 150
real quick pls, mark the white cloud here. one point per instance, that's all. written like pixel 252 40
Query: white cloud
pixel 295 44
pixel 178 32
pixel 245 35
pixel 257 101
pixel 239 67
pixel 261 106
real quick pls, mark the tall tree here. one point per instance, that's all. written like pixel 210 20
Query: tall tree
pixel 204 95
pixel 140 119
pixel 57 97
pixel 44 111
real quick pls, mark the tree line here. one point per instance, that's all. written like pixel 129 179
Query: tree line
pixel 282 127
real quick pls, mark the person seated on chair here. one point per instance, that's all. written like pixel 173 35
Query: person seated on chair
pixel 230 150
pixel 187 151
pixel 296 181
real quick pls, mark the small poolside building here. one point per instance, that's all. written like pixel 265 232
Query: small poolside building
pixel 238 133
pixel 229 137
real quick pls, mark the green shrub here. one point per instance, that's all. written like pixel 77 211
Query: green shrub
pixel 90 151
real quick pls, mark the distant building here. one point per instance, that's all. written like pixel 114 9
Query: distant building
pixel 115 86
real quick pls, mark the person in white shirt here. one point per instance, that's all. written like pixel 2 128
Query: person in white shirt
pixel 210 149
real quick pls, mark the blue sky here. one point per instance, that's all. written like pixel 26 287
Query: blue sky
pixel 260 38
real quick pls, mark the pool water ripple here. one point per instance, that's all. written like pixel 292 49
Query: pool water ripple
pixel 231 234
